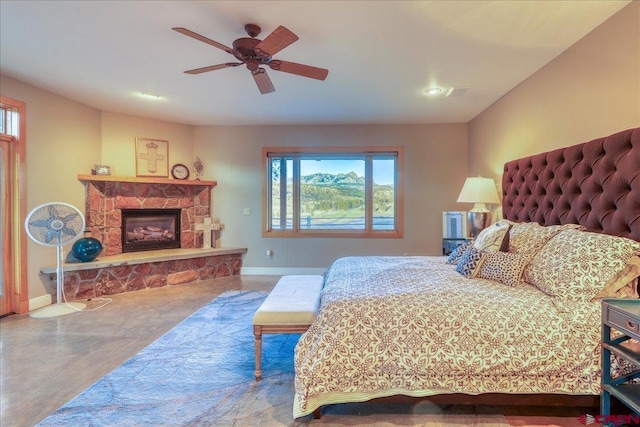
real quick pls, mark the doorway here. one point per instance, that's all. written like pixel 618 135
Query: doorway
pixel 13 279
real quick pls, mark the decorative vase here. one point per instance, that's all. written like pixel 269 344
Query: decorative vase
pixel 86 249
pixel 198 166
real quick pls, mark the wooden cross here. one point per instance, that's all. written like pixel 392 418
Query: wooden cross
pixel 206 227
pixel 152 157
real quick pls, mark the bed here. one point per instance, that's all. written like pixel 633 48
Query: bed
pixel 514 313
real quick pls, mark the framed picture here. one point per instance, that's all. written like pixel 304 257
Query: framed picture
pixel 152 157
pixel 101 170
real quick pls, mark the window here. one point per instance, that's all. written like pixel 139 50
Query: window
pixel 333 192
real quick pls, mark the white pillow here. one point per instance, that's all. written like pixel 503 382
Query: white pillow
pixel 491 238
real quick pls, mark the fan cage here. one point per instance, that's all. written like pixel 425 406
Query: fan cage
pixel 54 224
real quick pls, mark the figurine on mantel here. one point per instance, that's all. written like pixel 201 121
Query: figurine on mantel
pixel 198 166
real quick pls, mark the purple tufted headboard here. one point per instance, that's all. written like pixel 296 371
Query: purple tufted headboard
pixel 595 184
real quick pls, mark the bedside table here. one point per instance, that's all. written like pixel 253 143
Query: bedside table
pixel 623 315
pixel 449 244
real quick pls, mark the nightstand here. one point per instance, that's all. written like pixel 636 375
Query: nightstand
pixel 623 315
pixel 449 244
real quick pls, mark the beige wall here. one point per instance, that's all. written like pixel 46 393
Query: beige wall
pixel 66 138
pixel 119 133
pixel 435 168
pixel 63 139
pixel 590 90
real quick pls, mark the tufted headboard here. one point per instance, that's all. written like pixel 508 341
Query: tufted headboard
pixel 595 184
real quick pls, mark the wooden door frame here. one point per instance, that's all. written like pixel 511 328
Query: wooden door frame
pixel 18 299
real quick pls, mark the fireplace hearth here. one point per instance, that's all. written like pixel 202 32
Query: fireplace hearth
pixel 150 229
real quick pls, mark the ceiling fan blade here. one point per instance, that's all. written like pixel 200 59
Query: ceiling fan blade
pixel 213 68
pixel 299 69
pixel 203 39
pixel 263 81
pixel 275 42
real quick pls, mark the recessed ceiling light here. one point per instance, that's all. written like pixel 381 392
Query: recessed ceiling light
pixel 432 91
pixel 150 96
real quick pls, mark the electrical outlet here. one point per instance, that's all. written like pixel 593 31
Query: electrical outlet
pixel 246 211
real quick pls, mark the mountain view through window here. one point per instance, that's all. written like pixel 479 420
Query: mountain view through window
pixel 331 192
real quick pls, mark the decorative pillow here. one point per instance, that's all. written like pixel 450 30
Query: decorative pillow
pixel 626 278
pixel 529 237
pixel 470 262
pixel 456 254
pixel 576 264
pixel 503 267
pixel 491 238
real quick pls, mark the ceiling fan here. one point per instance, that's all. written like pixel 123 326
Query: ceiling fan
pixel 255 53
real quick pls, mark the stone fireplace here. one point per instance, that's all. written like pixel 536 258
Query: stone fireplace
pixel 117 270
pixel 106 200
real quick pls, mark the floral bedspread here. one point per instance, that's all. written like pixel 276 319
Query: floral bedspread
pixel 414 326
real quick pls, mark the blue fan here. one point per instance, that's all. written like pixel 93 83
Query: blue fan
pixel 56 224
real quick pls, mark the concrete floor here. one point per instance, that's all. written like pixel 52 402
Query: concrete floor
pixel 46 362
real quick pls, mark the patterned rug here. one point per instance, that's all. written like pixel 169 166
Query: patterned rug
pixel 201 374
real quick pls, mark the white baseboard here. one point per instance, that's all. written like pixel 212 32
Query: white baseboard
pixel 41 301
pixel 279 271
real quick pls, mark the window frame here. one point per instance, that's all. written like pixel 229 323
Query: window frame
pixel 368 231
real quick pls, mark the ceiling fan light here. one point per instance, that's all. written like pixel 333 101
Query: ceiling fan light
pixel 149 96
pixel 432 91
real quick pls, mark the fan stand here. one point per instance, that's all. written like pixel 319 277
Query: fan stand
pixel 58 309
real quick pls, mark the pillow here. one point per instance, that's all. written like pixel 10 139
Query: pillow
pixel 626 278
pixel 491 238
pixel 456 254
pixel 470 262
pixel 576 264
pixel 503 267
pixel 529 237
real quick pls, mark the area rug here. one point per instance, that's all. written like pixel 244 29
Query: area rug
pixel 201 373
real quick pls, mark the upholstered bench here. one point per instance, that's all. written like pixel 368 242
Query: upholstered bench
pixel 290 308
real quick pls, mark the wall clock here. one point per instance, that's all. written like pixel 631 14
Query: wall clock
pixel 179 171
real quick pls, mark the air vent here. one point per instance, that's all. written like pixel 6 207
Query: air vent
pixel 457 91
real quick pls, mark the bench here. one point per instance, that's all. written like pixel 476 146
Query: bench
pixel 290 308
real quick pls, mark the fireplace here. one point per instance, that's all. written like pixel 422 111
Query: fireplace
pixel 150 229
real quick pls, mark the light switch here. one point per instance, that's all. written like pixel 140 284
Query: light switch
pixel 246 211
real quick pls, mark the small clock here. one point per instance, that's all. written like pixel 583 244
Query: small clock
pixel 179 171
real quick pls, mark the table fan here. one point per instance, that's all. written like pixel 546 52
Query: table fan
pixel 56 224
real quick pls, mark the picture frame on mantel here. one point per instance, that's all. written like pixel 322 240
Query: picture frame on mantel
pixel 101 170
pixel 152 157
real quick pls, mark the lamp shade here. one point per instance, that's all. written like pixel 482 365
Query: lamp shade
pixel 479 190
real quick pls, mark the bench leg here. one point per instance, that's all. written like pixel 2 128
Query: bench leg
pixel 257 332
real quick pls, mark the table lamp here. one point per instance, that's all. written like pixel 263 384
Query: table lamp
pixel 479 191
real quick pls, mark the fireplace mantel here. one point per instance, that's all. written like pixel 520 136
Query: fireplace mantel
pixel 114 272
pixel 145 180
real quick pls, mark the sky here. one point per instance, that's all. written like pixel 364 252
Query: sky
pixel 382 169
